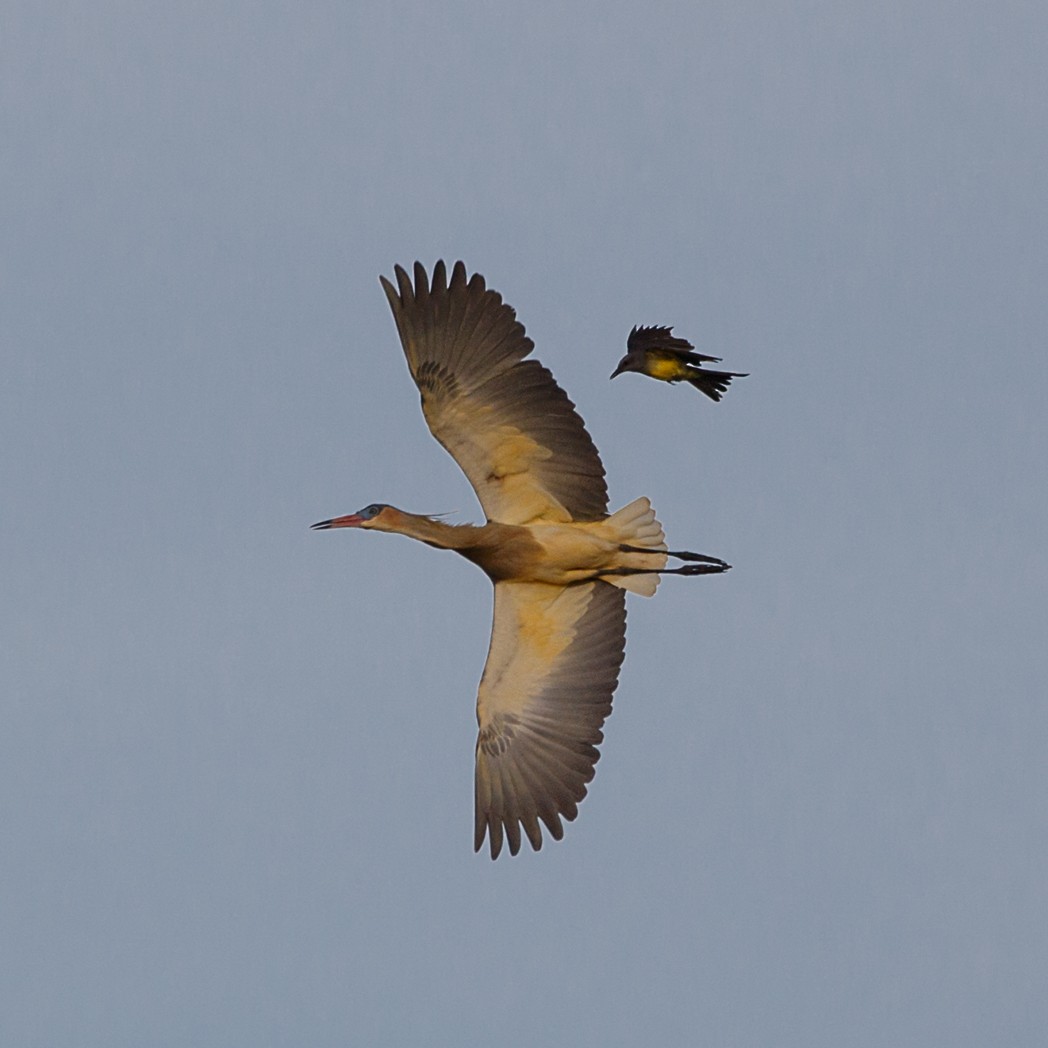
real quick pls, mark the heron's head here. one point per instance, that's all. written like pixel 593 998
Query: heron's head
pixel 374 516
pixel 630 362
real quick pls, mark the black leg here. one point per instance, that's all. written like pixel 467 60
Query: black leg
pixel 688 569
pixel 679 554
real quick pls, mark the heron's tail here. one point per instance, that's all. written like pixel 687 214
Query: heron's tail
pixel 635 525
pixel 713 383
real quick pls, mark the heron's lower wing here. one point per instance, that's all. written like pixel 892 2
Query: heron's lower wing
pixel 545 694
pixel 511 428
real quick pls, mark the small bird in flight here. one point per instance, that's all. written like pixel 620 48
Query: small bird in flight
pixel 656 352
pixel 560 562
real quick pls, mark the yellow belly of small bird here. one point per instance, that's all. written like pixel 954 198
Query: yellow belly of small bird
pixel 669 369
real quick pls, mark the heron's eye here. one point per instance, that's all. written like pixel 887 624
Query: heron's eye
pixel 371 511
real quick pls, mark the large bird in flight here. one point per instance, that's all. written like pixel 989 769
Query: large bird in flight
pixel 560 564
pixel 659 354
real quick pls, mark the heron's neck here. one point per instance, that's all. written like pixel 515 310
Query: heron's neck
pixel 434 532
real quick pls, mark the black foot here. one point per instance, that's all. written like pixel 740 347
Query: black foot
pixel 698 569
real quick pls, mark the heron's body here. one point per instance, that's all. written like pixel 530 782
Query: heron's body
pixel 560 563
pixel 554 554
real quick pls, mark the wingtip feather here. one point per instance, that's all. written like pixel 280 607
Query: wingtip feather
pixel 439 284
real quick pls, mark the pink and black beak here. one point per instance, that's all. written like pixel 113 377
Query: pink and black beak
pixel 351 520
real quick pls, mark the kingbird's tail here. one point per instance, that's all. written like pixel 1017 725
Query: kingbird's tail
pixel 713 383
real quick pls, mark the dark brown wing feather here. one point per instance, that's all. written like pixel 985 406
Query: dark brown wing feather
pixel 645 338
pixel 504 419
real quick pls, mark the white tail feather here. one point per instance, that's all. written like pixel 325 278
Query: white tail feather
pixel 635 525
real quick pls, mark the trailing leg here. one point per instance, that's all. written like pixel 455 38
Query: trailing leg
pixel 679 554
pixel 687 569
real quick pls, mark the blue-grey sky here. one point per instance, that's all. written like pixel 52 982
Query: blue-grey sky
pixel 236 756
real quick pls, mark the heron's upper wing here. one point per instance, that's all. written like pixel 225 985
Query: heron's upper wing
pixel 504 419
pixel 644 338
pixel 546 691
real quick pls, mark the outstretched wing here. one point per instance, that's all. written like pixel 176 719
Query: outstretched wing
pixel 552 668
pixel 644 338
pixel 503 419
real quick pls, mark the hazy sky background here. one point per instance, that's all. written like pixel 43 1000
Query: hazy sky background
pixel 236 756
